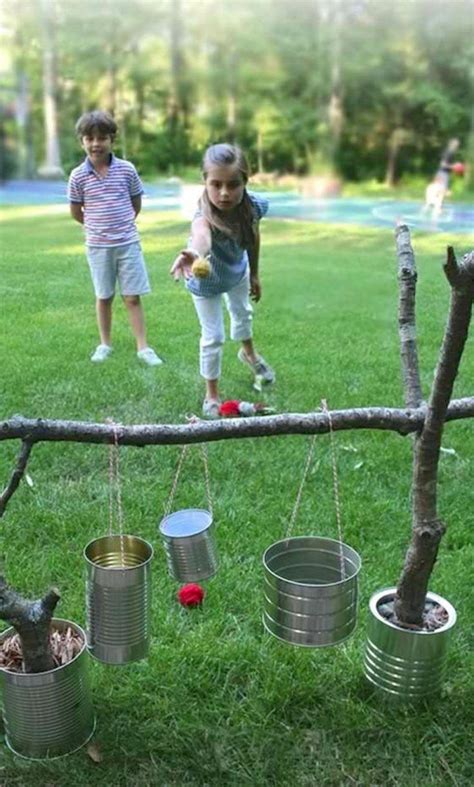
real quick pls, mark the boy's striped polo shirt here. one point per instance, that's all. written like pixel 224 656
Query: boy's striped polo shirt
pixel 109 217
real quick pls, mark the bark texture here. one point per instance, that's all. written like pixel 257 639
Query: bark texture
pixel 403 421
pixel 427 528
pixel 407 277
pixel 16 475
pixel 32 621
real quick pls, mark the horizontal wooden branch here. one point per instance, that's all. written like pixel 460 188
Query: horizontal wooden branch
pixel 403 421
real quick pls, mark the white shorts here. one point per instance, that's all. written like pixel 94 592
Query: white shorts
pixel 124 264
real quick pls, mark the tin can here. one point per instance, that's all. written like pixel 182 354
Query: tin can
pixel 405 663
pixel 118 598
pixel 310 590
pixel 188 537
pixel 48 714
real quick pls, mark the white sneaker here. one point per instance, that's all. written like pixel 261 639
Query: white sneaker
pixel 260 367
pixel 101 353
pixel 149 357
pixel 210 408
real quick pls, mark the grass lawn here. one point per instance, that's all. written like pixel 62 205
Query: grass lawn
pixel 219 702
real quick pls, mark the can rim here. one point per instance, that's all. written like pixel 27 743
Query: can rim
pixel 199 529
pixel 352 575
pixel 118 568
pixel 388 593
pixel 24 675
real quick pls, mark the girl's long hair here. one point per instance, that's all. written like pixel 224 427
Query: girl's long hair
pixel 242 227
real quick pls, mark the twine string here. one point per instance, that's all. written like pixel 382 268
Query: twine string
pixel 172 493
pixel 296 506
pixel 206 477
pixel 115 490
pixel 335 480
pixel 192 419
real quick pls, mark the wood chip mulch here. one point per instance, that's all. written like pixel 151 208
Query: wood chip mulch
pixel 64 644
pixel 434 616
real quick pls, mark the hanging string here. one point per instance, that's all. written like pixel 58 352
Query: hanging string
pixel 335 480
pixel 172 493
pixel 111 487
pixel 169 502
pixel 294 513
pixel 206 477
pixel 115 489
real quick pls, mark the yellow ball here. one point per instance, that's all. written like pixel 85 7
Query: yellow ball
pixel 201 267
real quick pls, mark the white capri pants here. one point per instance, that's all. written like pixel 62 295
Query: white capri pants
pixel 211 317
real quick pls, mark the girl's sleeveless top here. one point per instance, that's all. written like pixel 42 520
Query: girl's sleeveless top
pixel 229 261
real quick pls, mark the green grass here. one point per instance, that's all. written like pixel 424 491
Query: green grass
pixel 218 702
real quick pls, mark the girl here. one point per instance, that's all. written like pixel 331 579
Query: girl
pixel 225 227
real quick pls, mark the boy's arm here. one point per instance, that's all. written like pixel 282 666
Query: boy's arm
pixel 137 204
pixel 77 211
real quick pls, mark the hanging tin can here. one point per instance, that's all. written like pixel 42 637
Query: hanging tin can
pixel 48 714
pixel 310 590
pixel 118 598
pixel 188 537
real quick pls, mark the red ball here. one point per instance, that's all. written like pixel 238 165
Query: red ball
pixel 458 168
pixel 191 595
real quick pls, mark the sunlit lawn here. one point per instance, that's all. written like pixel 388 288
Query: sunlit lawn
pixel 219 702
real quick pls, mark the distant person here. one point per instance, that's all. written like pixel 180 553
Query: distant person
pixel 225 229
pixel 105 195
pixel 437 190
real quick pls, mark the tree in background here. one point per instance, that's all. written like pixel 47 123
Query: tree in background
pixel 364 88
pixel 51 166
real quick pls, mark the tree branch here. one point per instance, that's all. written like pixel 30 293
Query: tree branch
pixel 407 277
pixel 16 476
pixel 427 529
pixel 404 421
pixel 32 621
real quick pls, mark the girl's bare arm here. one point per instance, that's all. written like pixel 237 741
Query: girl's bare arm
pixel 200 247
pixel 254 256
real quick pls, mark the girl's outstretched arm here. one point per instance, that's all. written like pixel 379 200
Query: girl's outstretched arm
pixel 254 255
pixel 199 246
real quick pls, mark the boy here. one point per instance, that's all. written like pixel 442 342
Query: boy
pixel 105 195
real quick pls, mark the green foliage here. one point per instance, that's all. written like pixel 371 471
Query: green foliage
pixel 267 73
pixel 218 702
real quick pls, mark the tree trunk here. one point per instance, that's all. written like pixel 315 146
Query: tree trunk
pixel 51 168
pixel 393 150
pixel 427 528
pixel 110 98
pixel 32 621
pixel 259 151
pixel 26 167
pixel 231 116
pixel 335 112
pixel 176 100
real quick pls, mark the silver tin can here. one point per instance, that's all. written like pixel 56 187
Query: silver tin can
pixel 308 599
pixel 118 598
pixel 48 714
pixel 403 663
pixel 189 544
